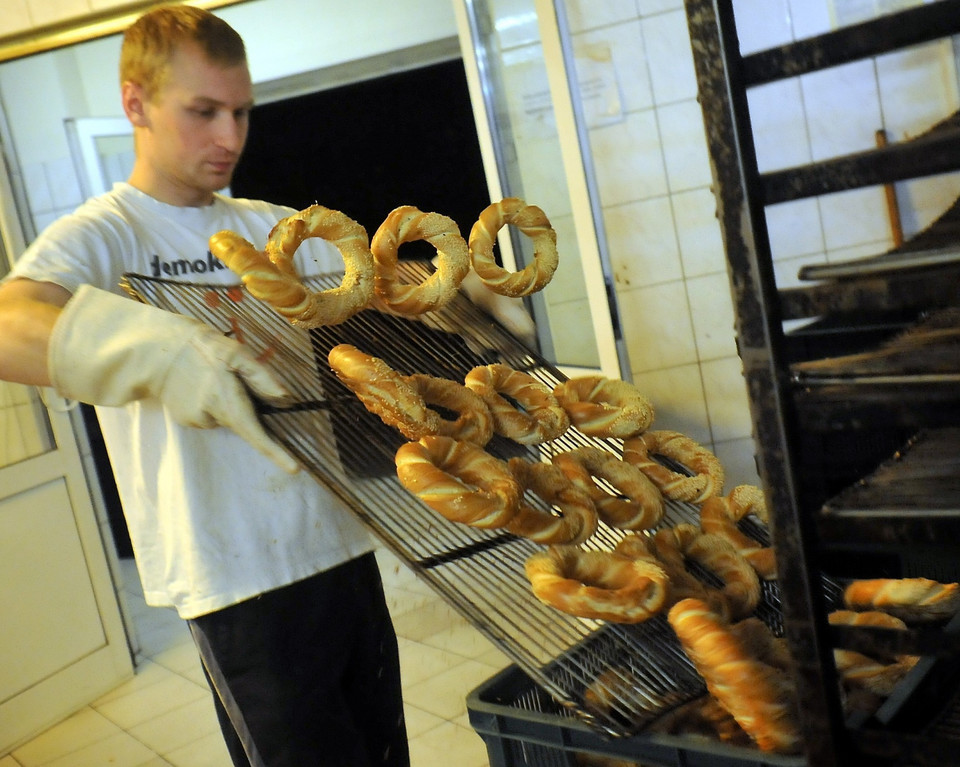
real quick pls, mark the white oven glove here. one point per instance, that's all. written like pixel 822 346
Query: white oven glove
pixel 109 350
pixel 509 312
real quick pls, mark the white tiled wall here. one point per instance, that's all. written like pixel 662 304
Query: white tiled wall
pixel 654 181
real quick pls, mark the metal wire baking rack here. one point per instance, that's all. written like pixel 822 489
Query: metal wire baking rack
pixel 480 573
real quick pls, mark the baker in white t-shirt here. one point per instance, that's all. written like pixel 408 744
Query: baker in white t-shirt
pixel 273 573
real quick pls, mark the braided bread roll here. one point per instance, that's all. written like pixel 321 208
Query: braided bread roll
pixel 383 391
pixel 719 516
pixel 757 695
pixel 326 307
pixel 406 224
pixel 262 279
pixel 642 506
pixel 911 599
pixel 530 220
pixel 597 584
pixel 578 515
pixel 858 670
pixel 708 474
pixel 741 586
pixel 605 407
pixel 539 417
pixel 681 582
pixel 474 422
pixel 459 480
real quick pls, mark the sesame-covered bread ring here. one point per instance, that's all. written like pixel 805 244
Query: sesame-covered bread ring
pixel 707 471
pixel 741 586
pixel 326 307
pixel 597 584
pixel 383 391
pixel 264 281
pixel 406 224
pixel 682 583
pixel 578 515
pixel 459 480
pixel 530 220
pixel 605 407
pixel 719 515
pixel 539 417
pixel 642 506
pixel 474 422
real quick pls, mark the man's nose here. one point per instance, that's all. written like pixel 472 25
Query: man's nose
pixel 231 133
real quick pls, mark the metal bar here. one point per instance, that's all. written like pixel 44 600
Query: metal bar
pixel 924 156
pixel 871 38
pixel 737 187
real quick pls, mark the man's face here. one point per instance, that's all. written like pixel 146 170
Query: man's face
pixel 195 129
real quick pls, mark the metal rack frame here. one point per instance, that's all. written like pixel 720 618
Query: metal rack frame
pixel 801 538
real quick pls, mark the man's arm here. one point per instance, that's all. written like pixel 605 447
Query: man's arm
pixel 28 312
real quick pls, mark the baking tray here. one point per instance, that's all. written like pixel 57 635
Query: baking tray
pixel 480 573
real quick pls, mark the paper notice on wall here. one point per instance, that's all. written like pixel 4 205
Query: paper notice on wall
pixel 531 103
pixel 599 86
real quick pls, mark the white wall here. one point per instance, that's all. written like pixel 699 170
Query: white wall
pixel 654 182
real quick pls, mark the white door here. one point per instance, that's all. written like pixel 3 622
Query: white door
pixel 62 642
pixel 531 140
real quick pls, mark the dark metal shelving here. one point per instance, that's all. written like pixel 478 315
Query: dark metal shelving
pixel 868 368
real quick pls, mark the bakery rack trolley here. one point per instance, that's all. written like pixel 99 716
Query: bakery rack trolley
pixel 478 572
pixel 855 414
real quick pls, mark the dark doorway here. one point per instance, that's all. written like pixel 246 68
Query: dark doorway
pixel 368 147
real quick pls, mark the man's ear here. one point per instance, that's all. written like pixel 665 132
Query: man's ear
pixel 134 103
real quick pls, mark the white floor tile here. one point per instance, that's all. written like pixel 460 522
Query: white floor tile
pixel 164 716
pixel 121 749
pixel 448 744
pixel 81 730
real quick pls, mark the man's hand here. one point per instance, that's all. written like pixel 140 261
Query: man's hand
pixel 109 350
pixel 510 312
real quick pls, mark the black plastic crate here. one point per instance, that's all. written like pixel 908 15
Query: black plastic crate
pixel 522 726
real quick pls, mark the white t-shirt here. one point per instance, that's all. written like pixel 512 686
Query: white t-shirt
pixel 211 521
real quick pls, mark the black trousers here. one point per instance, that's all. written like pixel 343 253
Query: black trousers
pixel 308 675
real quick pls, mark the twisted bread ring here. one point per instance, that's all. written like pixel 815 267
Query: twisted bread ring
pixel 910 599
pixel 708 473
pixel 406 224
pixel 758 695
pixel 605 407
pixel 458 480
pixel 326 307
pixel 578 515
pixel 474 422
pixel 640 510
pixel 741 586
pixel 286 294
pixel 383 391
pixel 530 220
pixel 597 584
pixel 682 584
pixel 719 516
pixel 857 670
pixel 541 418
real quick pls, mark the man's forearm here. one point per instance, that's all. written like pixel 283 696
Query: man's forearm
pixel 28 313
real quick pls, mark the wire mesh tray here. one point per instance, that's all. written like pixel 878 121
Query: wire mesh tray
pixel 479 572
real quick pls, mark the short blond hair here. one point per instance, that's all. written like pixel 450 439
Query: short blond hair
pixel 150 42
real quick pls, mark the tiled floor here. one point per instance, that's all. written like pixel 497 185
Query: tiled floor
pixel 164 717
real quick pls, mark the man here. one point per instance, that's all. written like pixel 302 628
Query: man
pixel 275 575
